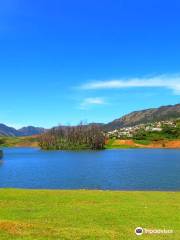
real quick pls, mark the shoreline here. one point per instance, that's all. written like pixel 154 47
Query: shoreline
pixel 110 144
pixel 134 144
pixel 106 148
pixel 87 190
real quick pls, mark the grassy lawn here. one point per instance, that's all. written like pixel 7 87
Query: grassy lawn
pixel 51 214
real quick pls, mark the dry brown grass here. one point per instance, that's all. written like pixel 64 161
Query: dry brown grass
pixel 14 228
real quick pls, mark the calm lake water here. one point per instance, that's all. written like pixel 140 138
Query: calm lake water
pixel 131 169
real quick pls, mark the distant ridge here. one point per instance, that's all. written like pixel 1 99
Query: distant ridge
pixel 25 131
pixel 145 116
pixel 30 130
pixel 8 131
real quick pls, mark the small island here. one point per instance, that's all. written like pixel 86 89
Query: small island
pixel 73 138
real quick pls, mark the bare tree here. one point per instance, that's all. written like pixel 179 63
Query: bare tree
pixel 77 137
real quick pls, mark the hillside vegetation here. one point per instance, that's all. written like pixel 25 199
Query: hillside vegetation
pixel 163 134
pixel 166 132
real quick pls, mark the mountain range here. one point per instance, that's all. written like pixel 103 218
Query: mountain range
pixel 25 131
pixel 143 116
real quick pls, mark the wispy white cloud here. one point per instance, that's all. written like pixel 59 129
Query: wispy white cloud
pixel 161 81
pixel 91 101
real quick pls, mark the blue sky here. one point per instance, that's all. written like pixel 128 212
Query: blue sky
pixel 66 61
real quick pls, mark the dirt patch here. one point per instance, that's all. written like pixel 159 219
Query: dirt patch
pixel 124 142
pixel 155 144
pixel 14 228
pixel 27 144
pixel 28 141
pixel 165 144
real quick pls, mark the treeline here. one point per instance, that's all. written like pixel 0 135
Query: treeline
pixel 73 138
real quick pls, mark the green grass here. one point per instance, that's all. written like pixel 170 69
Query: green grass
pixel 111 145
pixel 9 141
pixel 73 215
pixel 143 142
pixel 120 146
pixel 13 141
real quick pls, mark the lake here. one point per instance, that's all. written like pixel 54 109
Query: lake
pixel 126 169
